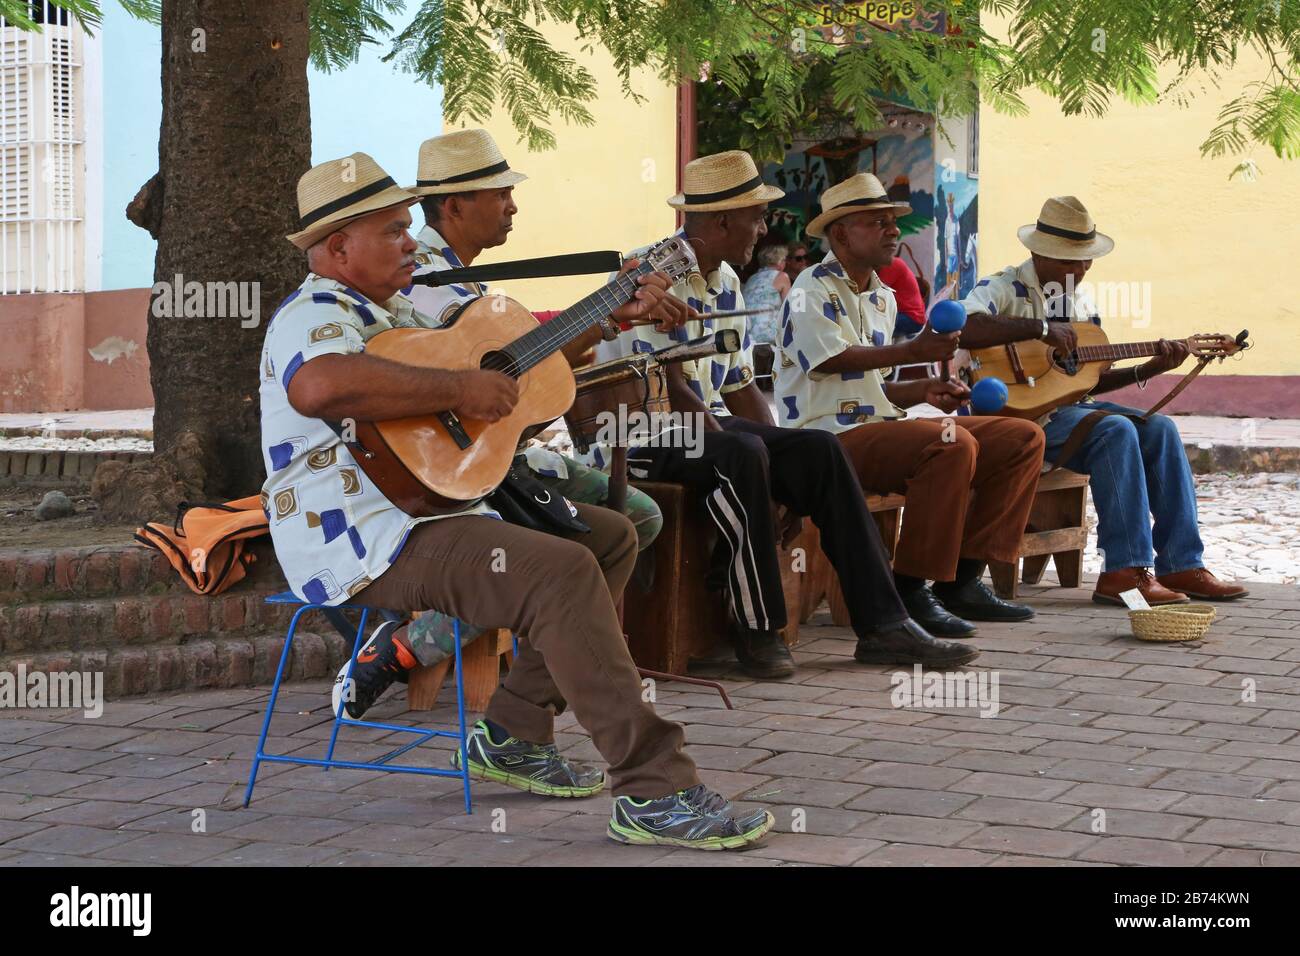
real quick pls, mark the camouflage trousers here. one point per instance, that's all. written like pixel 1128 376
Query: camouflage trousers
pixel 430 635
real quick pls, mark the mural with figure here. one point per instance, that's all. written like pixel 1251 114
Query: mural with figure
pixel 957 234
pixel 901 156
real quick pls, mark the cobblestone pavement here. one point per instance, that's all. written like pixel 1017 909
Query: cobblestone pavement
pixel 1250 525
pixel 1105 750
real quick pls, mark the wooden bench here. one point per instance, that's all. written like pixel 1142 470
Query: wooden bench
pixel 1055 530
pixel 482 663
pixel 680 617
pixel 820 582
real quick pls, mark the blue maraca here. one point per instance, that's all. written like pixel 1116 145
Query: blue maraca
pixel 947 316
pixel 988 396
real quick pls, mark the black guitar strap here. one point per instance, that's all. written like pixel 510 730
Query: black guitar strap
pixel 571 264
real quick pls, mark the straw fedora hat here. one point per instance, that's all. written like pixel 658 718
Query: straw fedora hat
pixel 337 192
pixel 462 162
pixel 1065 230
pixel 860 193
pixel 727 180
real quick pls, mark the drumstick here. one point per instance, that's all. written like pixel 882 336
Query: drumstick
pixel 734 312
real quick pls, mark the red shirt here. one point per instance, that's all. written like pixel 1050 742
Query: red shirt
pixel 907 292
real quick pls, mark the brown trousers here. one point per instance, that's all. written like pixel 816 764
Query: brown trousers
pixel 557 594
pixel 967 497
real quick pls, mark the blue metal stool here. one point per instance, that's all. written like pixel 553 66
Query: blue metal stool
pixel 340 720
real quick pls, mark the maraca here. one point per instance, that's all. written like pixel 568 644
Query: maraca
pixel 947 316
pixel 988 396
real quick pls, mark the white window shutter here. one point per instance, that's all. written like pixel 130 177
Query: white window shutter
pixel 41 159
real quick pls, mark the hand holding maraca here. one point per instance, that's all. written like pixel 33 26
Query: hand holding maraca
pixel 946 396
pixel 932 346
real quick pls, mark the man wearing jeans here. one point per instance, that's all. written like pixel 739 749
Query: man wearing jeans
pixel 1137 469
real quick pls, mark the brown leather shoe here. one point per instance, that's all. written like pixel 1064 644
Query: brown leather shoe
pixel 1112 583
pixel 1200 583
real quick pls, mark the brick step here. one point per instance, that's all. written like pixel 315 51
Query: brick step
pixel 173 617
pixel 44 463
pixel 31 576
pixel 209 662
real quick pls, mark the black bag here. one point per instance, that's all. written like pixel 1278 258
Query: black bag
pixel 523 500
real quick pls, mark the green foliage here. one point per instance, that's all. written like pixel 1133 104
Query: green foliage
pixel 339 28
pixel 774 71
pixel 18 13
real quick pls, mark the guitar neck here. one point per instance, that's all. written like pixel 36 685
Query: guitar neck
pixel 545 340
pixel 1115 351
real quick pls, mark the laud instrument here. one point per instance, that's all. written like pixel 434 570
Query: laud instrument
pixel 1038 379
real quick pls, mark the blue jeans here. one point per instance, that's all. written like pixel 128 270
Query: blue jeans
pixel 1135 471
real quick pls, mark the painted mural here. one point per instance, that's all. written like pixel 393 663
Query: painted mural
pixel 957 234
pixel 900 155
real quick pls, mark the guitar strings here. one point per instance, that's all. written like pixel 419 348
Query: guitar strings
pixel 575 318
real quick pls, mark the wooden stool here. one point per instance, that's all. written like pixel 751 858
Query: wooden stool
pixel 680 617
pixel 482 661
pixel 821 582
pixel 1055 530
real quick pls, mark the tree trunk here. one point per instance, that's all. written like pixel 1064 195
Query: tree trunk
pixel 235 137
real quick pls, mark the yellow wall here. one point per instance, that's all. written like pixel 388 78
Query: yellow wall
pixel 602 187
pixel 1220 256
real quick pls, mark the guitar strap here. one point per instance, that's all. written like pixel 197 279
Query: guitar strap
pixel 571 264
pixel 1079 434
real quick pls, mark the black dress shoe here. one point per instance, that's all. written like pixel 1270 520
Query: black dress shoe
pixel 926 610
pixel 763 654
pixel 975 601
pixel 908 643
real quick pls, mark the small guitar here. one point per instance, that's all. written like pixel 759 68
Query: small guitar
pixel 1039 380
pixel 436 464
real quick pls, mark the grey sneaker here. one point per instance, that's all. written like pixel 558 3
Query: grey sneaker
pixel 534 768
pixel 697 818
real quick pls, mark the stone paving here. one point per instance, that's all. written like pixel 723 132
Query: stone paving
pixel 1105 750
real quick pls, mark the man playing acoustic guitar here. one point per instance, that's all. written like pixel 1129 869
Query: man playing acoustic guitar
pixel 1137 469
pixel 466 193
pixel 338 538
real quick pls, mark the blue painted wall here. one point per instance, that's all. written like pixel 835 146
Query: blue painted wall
pixel 371 106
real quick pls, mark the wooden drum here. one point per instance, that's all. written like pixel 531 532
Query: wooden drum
pixel 620 387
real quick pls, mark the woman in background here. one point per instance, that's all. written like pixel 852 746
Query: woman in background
pixel 766 289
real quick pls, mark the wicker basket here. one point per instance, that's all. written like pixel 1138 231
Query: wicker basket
pixel 1180 622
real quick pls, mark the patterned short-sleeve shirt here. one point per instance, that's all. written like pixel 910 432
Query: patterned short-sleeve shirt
pixel 1017 293
pixel 434 305
pixel 334 531
pixel 823 315
pixel 712 377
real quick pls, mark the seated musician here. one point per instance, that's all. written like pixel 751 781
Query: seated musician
pixel 466 190
pixel 338 538
pixel 969 481
pixel 1135 469
pixel 747 461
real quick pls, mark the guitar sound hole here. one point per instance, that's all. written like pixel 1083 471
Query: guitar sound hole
pixel 1069 364
pixel 497 361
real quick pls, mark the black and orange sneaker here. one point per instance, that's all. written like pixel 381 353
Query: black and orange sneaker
pixel 382 661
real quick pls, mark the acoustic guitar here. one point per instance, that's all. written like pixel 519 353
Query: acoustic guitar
pixel 1039 380
pixel 436 464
